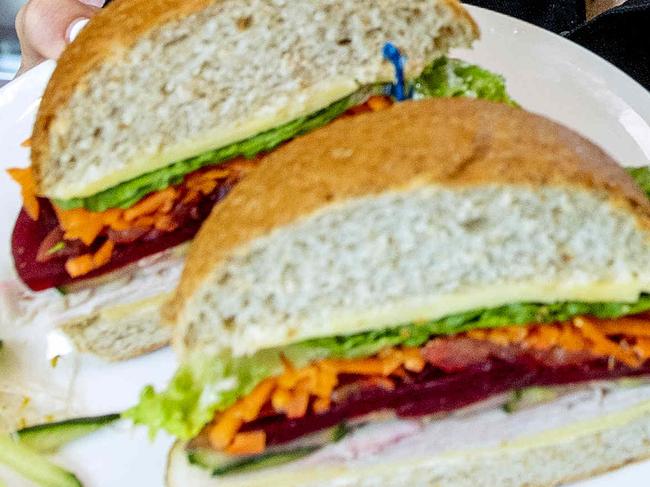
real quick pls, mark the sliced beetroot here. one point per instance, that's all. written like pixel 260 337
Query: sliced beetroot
pixel 38 276
pixel 29 239
pixel 433 391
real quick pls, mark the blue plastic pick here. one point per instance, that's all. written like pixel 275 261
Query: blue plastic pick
pixel 399 91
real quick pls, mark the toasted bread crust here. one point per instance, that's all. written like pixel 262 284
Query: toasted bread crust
pixel 450 142
pixel 108 37
pixel 114 334
pixel 462 13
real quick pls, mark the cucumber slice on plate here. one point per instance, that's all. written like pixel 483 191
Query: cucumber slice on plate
pixel 23 450
pixel 47 438
pixel 33 466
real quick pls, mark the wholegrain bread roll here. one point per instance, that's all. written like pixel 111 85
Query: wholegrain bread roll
pixel 398 266
pixel 150 83
pixel 424 210
pixel 121 331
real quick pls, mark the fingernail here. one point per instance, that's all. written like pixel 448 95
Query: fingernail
pixel 75 28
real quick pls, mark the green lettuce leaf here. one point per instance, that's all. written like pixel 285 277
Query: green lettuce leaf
pixel 200 387
pixel 642 177
pixel 204 385
pixel 417 334
pixel 447 78
pixel 443 78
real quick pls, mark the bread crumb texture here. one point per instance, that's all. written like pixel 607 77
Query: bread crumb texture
pixel 425 209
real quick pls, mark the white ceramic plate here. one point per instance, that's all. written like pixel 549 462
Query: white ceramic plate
pixel 545 73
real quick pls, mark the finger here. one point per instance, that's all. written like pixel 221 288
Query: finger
pixel 44 26
pixel 29 57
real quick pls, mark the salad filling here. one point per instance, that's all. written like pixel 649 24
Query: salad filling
pixel 313 384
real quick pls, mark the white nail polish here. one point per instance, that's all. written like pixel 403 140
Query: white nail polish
pixel 75 28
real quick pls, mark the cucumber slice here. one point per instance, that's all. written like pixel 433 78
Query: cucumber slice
pixel 33 466
pixel 529 397
pixel 319 438
pixel 221 464
pixel 47 438
pixel 62 290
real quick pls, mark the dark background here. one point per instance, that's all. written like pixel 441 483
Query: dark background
pixel 621 35
pixel 9 51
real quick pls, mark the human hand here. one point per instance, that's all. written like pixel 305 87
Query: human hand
pixel 44 27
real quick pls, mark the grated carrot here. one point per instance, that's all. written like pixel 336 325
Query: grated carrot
pixel 580 334
pixel 361 367
pixel 569 339
pixel 197 179
pixel 379 103
pixel 83 264
pixel 478 334
pixel 80 224
pixel 637 327
pixel 251 405
pixel 192 196
pixel 103 255
pixel 150 204
pixel 109 217
pixel 206 187
pixel 25 178
pixel 321 405
pixel 603 346
pixel 165 223
pixel 327 380
pixel 298 404
pixel 280 400
pixel 143 222
pixel 78 266
pixel 542 337
pixel 502 336
pixel 224 430
pixel 292 377
pixel 413 360
pixel 250 443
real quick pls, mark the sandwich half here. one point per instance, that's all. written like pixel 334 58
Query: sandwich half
pixel 159 108
pixel 401 265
